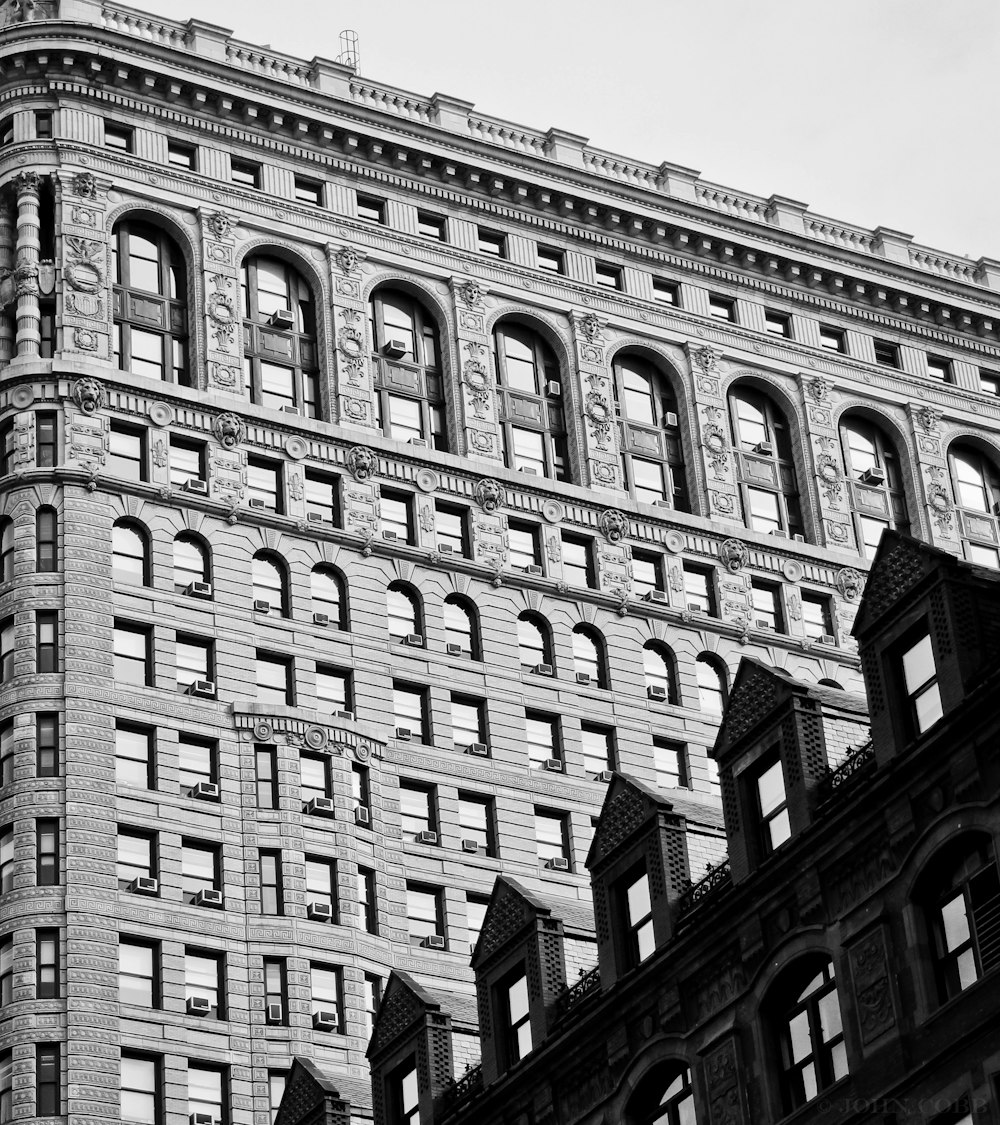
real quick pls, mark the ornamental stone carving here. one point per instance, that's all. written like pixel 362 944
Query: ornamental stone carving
pixel 490 494
pixel 220 224
pixel 706 359
pixel 26 182
pixel 818 389
pixel 348 259
pixel 350 342
pixel 941 507
pixel 228 428
pixel 928 418
pixel 361 462
pixel 830 473
pixel 591 328
pixel 83 271
pixel 850 583
pixel 713 437
pixel 476 376
pixel 84 185
pixel 26 280
pixel 614 524
pixel 88 394
pixel 733 553
pixel 598 410
pixel 471 293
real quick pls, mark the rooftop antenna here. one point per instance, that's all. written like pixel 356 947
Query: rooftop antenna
pixel 348 49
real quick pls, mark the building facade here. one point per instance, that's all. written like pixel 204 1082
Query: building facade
pixel 378 476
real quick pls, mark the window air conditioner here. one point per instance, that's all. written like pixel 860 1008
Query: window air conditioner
pixel 761 623
pixel 553 389
pixel 798 538
pixel 427 837
pixel 347 715
pixel 542 669
pixel 362 816
pixel 419 442
pixel 274 1013
pixel 198 1005
pixel 205 689
pixel 446 548
pixel 319 806
pixel 205 791
pixel 658 596
pixel 394 349
pixel 695 607
pixel 554 765
pixel 603 775
pixel 470 846
pixel 321 619
pixel 387 533
pixel 533 568
pixel 557 863
pixel 195 485
pixel 827 639
pixel 670 418
pixel 657 693
pixel 208 897
pixel 202 1119
pixel 433 941
pixel 480 749
pixel 199 589
pixel 453 650
pixel 144 885
pixel 326 1019
pixel 256 503
pixel 281 318
pixel 315 517
pixel 764 447
pixel 529 470
pixel 583 677
pixel 320 911
pixel 874 475
pixel 290 409
pixel 415 640
pixel 404 733
pixel 661 503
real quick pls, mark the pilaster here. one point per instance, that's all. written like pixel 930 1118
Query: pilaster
pixel 354 390
pixel 6 278
pixel 716 471
pixel 831 492
pixel 479 427
pixel 86 269
pixel 600 452
pixel 934 493
pixel 223 336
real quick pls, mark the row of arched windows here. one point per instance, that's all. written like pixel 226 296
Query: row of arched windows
pixel 281 361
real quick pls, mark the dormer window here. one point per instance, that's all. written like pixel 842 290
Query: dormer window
pixel 638 916
pixel 920 681
pixel 516 1015
pixel 406 1094
pixel 772 805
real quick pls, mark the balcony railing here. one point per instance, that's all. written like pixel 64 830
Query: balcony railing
pixel 589 982
pixel 464 1088
pixel 858 761
pixel 713 882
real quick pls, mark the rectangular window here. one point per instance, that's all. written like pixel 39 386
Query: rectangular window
pixel 275 990
pixel 772 804
pixel 187 462
pixel 491 242
pixel 48 1094
pixel 777 323
pixel 396 510
pixel 308 191
pixel 7 649
pixel 634 899
pixel 425 916
pixel 360 791
pixel 6 860
pixel 118 137
pixel 321 886
pixel 544 743
pixel 46 439
pixel 475 915
pixel 410 710
pixel 201 871
pixel 372 999
pixel 670 763
pixel 275 682
pixel 598 748
pixel 140 1089
pixel 608 276
pixel 515 1014
pixel 371 208
pixel 833 339
pixel 920 681
pixel 264 485
pixel 203 983
pixel 47 853
pixel 432 226
pixel 939 369
pixel 207 1092
pixel 46 541
pixel 468 720
pixel 6 971
pixel 817 616
pixel 314 777
pixel 525 545
pixel 451 529
pixel 136 857
pixel 989 382
pixel 197 762
pixel 182 155
pixel 886 353
pixel 46 641
pixel 550 260
pixel 418 812
pixel 195 659
pixel 127 453
pixel 245 173
pixel 7 447
pixel 322 498
pixel 367 901
pixel 275 1090
pixel 7 752
pixel 43 125
pixel 699 589
pixel 266 762
pixel 477 823
pixel 326 987
pixel 272 899
pixel 666 292
pixel 138 973
pixel 333 689
pixel 134 756
pixel 47 744
pixel 648 574
pixel 46 964
pixel 767 606
pixel 552 836
pixel 578 561
pixel 722 308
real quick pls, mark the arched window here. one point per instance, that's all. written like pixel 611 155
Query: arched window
pixel 46 540
pixel 663 1097
pixel 764 462
pixel 281 361
pixel 270 583
pixel 960 891
pixel 531 414
pixel 831 684
pixel 711 685
pixel 6 549
pixel 661 675
pixel 650 433
pixel 876 482
pixel 130 553
pixel 975 481
pixel 192 565
pixel 589 663
pixel 461 630
pixel 404 612
pixel 409 393
pixel 150 298
pixel 329 597
pixel 804 1010
pixel 534 640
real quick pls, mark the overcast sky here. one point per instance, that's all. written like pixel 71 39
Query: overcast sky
pixel 873 112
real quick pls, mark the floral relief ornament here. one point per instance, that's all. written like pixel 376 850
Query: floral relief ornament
pixel 598 410
pixel 941 507
pixel 476 377
pixel 831 475
pixel 714 438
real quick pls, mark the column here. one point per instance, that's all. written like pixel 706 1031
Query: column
pixel 938 518
pixel 479 428
pixel 222 315
pixel 6 272
pixel 353 389
pixel 714 474
pixel 831 493
pixel 29 336
pixel 600 452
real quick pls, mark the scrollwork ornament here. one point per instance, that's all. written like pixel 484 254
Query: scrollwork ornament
pixel 88 394
pixel 471 293
pixel 489 494
pixel 476 376
pixel 733 553
pixel 850 583
pixel 941 507
pixel 614 524
pixel 26 279
pixel 361 462
pixel 714 439
pixel 598 410
pixel 228 428
pixel 85 185
pixel 350 343
pixel 26 183
pixel 831 474
pixel 220 224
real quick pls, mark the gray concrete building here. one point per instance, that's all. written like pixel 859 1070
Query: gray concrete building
pixel 378 475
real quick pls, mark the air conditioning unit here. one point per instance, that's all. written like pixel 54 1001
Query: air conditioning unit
pixel 414 639
pixel 326 1019
pixel 427 837
pixel 256 503
pixel 144 885
pixel 657 596
pixel 281 318
pixel 198 1005
pixel 389 534
pixel 554 765
pixel 827 639
pixel 362 816
pixel 583 677
pixel 348 715
pixel 670 418
pixel 777 531
pixel 290 409
pixel 874 475
pixel 208 897
pixel 557 863
pixel 553 389
pixel 205 791
pixel 695 607
pixel 419 442
pixel 470 846
pixel 798 537
pixel 542 669
pixel 322 619
pixel 404 733
pixel 315 517
pixel 480 749
pixel 453 650
pixel 446 548
pixel 394 349
pixel 204 689
pixel 433 941
pixel 527 469
pixel 533 568
pixel 661 503
pixel 202 1119
pixel 320 911
pixel 764 447
pixel 654 691
pixel 319 806
pixel 195 485
pixel 762 623
pixel 274 1013
pixel 603 775
pixel 199 589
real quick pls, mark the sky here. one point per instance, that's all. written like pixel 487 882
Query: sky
pixel 872 112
